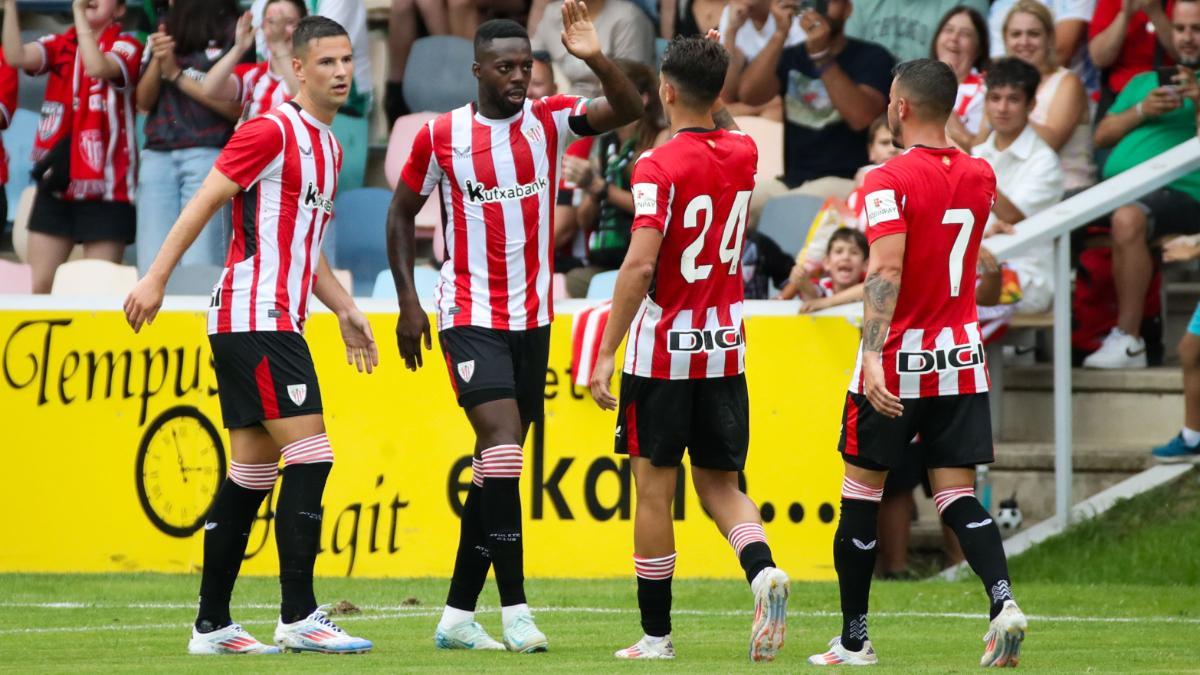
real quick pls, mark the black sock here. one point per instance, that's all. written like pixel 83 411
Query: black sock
pixel 982 547
pixel 502 525
pixel 394 104
pixel 226 531
pixel 654 601
pixel 472 563
pixel 297 535
pixel 854 559
pixel 755 557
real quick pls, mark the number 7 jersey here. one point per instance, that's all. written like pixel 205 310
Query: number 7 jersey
pixel 939 198
pixel 695 190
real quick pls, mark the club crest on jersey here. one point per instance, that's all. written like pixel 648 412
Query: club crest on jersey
pixel 931 360
pixel 645 199
pixel 478 194
pixel 466 370
pixel 703 340
pixel 51 120
pixel 313 199
pixel 881 207
pixel 91 146
pixel 534 134
pixel 297 392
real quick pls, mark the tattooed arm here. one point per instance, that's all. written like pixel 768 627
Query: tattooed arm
pixel 721 117
pixel 882 289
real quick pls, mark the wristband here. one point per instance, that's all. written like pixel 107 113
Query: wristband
pixel 1138 109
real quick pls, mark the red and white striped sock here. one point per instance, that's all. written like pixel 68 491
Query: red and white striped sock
pixel 655 569
pixel 502 461
pixel 852 489
pixel 745 533
pixel 948 496
pixel 311 450
pixel 477 471
pixel 254 476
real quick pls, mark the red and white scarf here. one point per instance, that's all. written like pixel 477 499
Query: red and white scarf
pixel 95 129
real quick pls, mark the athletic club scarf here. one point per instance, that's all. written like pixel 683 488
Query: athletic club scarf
pixel 585 341
pixel 95 129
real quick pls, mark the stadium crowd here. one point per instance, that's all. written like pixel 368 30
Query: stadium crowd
pixel 1055 94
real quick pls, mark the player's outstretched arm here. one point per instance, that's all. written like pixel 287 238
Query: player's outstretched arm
pixel 880 292
pixel 413 326
pixel 633 281
pixel 361 351
pixel 621 103
pixel 146 298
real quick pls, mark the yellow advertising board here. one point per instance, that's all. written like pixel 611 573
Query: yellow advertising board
pixel 117 445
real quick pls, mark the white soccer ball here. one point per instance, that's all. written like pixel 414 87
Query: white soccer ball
pixel 1009 517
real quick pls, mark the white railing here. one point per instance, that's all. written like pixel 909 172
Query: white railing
pixel 1055 225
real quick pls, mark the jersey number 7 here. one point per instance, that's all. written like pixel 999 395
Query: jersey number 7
pixel 730 251
pixel 965 218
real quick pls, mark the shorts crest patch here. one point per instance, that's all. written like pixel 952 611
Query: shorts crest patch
pixel 297 392
pixel 466 370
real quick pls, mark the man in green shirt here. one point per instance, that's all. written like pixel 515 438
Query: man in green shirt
pixel 1146 120
pixel 903 27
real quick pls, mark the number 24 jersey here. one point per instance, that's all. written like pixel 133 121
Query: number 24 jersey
pixel 695 190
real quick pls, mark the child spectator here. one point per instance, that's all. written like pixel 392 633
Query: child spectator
pixel 185 130
pixel 263 86
pixel 879 150
pixel 844 265
pixel 85 154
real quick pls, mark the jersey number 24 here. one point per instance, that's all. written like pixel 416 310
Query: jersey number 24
pixel 730 251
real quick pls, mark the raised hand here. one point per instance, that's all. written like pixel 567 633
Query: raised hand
pixel 244 32
pixel 579 35
pixel 783 11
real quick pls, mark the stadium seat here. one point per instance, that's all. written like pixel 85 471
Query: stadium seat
pixel 436 78
pixel 345 278
pixel 601 285
pixel 660 48
pixel 193 279
pixel 786 220
pixel 399 147
pixel 424 278
pixel 559 287
pixel 15 278
pixel 94 277
pixel 360 217
pixel 768 136
pixel 18 145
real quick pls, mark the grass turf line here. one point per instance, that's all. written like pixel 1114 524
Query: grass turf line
pixel 711 630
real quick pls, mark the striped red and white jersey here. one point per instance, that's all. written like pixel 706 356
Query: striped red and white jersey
pixel 939 198
pixel 286 163
pixel 499 184
pixel 695 190
pixel 259 89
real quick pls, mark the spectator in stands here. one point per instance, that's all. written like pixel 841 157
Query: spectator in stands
pixel 1062 116
pixel 185 131
pixel 1185 446
pixel 689 17
pixel 1029 177
pixel 624 31
pixel 1148 119
pixel 259 87
pixel 845 266
pixel 541 78
pixel 85 150
pixel 833 87
pixel 905 29
pixel 961 42
pixel 1071 19
pixel 605 208
pixel 1127 37
pixel 8 106
pixel 746 26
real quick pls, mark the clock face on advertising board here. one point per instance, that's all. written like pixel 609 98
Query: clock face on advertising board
pixel 180 466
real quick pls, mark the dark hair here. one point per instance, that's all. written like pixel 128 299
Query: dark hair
pixel 643 77
pixel 497 29
pixel 981 33
pixel 696 67
pixel 876 124
pixel 314 28
pixel 851 235
pixel 930 85
pixel 298 4
pixel 1013 72
pixel 541 56
pixel 195 24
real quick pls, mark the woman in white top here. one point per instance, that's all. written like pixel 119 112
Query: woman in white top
pixel 1061 116
pixel 961 42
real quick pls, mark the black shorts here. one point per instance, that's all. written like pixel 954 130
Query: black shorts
pixel 487 365
pixel 1169 212
pixel 955 431
pixel 657 419
pixel 264 375
pixel 83 222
